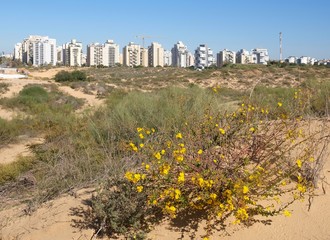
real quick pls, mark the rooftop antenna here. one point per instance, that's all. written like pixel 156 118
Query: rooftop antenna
pixel 280 46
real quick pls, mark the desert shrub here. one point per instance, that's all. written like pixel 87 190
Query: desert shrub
pixel 230 166
pixel 10 171
pixel 316 94
pixel 65 76
pixel 8 131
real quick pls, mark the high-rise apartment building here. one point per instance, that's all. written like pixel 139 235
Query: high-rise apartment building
pixel 37 51
pixel 72 53
pixel 94 54
pixel 132 55
pixel 204 57
pixel 225 56
pixel 244 57
pixel 106 54
pixel 144 57
pixel 167 58
pixel 18 51
pixel 111 54
pixel 156 55
pixel 180 55
pixel 260 56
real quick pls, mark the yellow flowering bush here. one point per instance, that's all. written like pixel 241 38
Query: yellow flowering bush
pixel 231 165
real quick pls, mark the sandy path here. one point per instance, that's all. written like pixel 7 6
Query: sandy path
pixel 91 100
pixel 10 153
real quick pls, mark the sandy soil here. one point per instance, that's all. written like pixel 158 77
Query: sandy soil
pixel 55 220
pixel 50 73
pixel 11 152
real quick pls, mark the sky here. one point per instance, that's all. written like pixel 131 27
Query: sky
pixel 230 24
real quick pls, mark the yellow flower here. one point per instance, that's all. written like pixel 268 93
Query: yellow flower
pixel 136 177
pixel 301 188
pixel 252 129
pixel 133 146
pixel 179 136
pixel 164 170
pixel 148 132
pixel 157 155
pixel 141 145
pixel 171 210
pixel 279 104
pixel 147 167
pixel 179 158
pixel 129 176
pixel 245 189
pixel 200 182
pixel 177 194
pixel 241 214
pixel 181 177
pixel 153 130
pixel 200 151
pixel 141 136
pixel 222 131
pixel 299 163
pixel 206 238
pixel 162 152
pixel 139 129
pixel 213 196
pixel 287 213
pixel 139 188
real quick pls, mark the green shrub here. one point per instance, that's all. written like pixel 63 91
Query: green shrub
pixel 65 76
pixel 221 164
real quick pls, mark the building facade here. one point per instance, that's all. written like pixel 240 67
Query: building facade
pixel 180 55
pixel 111 53
pixel 244 57
pixel 156 55
pixel 132 55
pixel 37 51
pixel 72 53
pixel 167 58
pixel 226 57
pixel 260 56
pixel 106 54
pixel 203 57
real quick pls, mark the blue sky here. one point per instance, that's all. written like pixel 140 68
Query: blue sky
pixel 231 24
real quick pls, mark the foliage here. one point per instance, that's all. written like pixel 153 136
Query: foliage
pixel 65 76
pixel 226 165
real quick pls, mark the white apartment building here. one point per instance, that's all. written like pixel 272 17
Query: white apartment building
pixel 167 58
pixel 203 56
pixel 180 55
pixel 72 53
pixel 37 51
pixel 190 59
pixel 111 53
pixel 291 59
pixel 18 51
pixel 244 57
pixel 144 57
pixel 156 55
pixel 132 55
pixel 106 54
pixel 44 52
pixel 59 51
pixel 225 56
pixel 260 56
pixel 94 54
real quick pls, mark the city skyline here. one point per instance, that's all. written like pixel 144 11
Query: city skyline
pixel 221 25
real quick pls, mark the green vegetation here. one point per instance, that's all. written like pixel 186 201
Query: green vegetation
pixel 65 76
pixel 97 147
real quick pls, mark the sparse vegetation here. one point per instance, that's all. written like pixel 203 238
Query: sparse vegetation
pixel 97 147
pixel 65 76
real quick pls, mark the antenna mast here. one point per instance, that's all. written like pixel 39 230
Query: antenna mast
pixel 280 46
